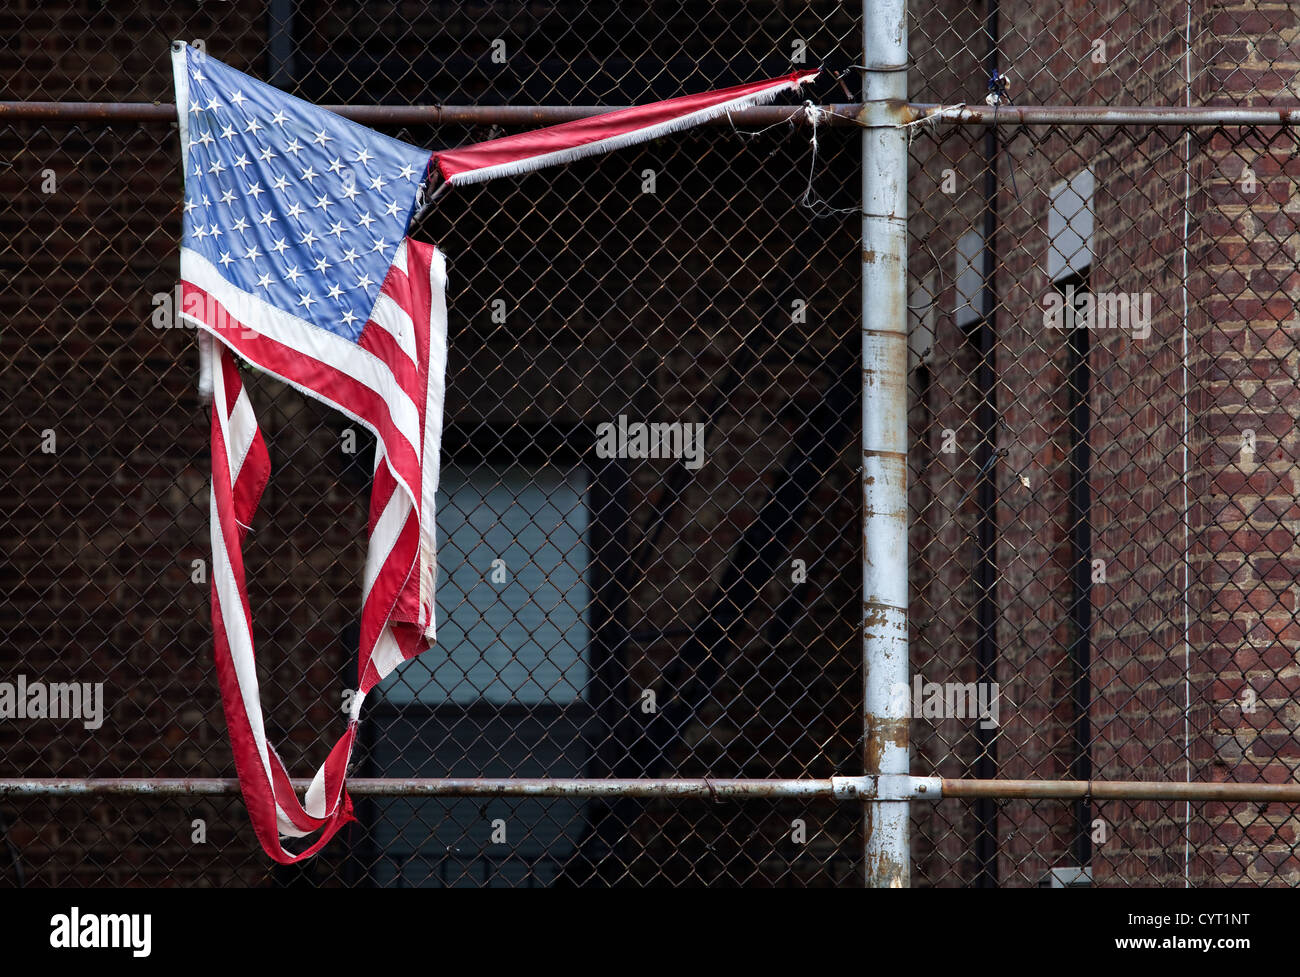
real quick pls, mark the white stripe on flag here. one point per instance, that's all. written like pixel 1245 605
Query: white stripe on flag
pixel 387 654
pixel 388 527
pixel 242 429
pixel 396 322
pixel 434 398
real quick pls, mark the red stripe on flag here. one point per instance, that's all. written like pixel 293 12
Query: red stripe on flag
pixel 605 132
pixel 379 341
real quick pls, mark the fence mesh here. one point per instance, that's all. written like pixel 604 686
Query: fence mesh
pixel 1101 519
pixel 1086 530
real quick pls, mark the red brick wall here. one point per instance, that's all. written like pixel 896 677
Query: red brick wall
pixel 1162 706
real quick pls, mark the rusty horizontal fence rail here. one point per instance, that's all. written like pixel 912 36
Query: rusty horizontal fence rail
pixel 1098 115
pixel 1123 790
pixel 448 787
pixel 838 114
pixel 509 115
pixel 834 788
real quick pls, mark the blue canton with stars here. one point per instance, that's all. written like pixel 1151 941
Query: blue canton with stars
pixel 289 202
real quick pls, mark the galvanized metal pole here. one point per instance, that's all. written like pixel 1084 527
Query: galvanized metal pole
pixel 884 432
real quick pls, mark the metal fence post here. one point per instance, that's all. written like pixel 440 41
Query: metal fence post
pixel 884 433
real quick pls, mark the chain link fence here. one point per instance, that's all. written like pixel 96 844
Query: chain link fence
pixel 1098 525
pixel 1090 541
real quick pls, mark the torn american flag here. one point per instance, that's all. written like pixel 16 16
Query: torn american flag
pixel 294 256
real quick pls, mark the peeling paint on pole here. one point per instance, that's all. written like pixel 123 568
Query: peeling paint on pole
pixel 884 433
